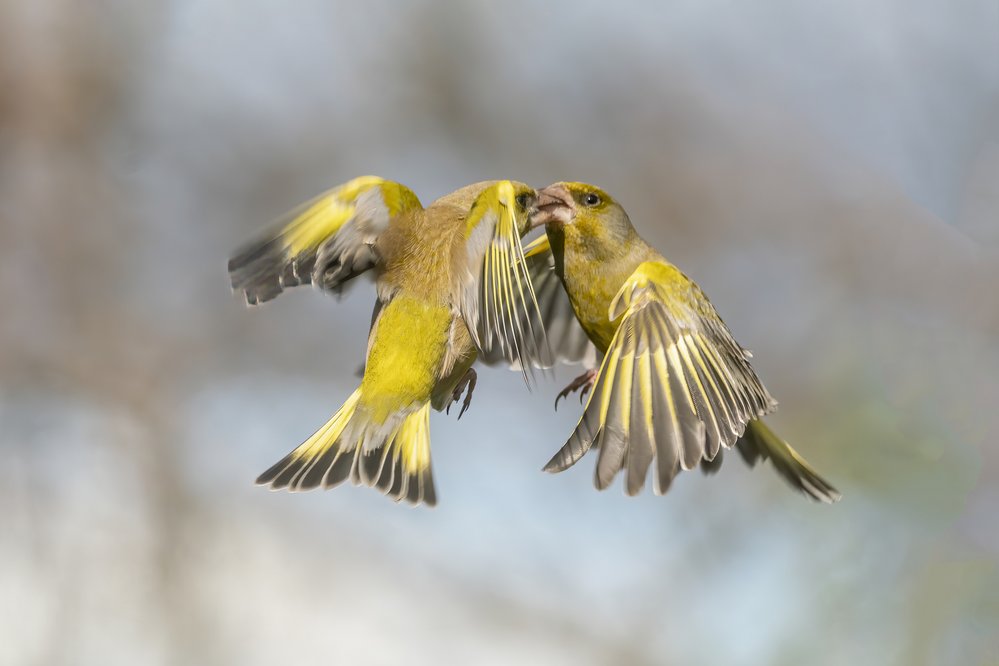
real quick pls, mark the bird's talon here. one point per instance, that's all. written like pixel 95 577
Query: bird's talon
pixel 584 381
pixel 467 381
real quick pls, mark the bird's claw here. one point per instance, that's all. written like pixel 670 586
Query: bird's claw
pixel 467 380
pixel 585 382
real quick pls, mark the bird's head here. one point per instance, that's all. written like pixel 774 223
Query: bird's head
pixel 523 199
pixel 582 212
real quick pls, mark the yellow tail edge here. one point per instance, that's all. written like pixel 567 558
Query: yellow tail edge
pixel 393 456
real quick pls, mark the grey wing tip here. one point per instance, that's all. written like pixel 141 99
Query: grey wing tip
pixel 567 456
pixel 559 462
pixel 261 271
pixel 709 467
pixel 553 466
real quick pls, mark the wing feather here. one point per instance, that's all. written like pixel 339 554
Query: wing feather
pixel 669 439
pixel 674 387
pixel 691 428
pixel 641 452
pixel 564 337
pixel 325 242
pixel 615 415
pixel 498 300
pixel 705 411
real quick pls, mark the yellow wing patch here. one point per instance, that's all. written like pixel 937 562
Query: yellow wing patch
pixel 674 385
pixel 324 216
pixel 538 247
pixel 325 242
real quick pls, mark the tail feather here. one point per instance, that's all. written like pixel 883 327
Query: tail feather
pixel 393 457
pixel 759 442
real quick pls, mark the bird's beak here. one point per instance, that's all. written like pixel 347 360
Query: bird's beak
pixel 553 206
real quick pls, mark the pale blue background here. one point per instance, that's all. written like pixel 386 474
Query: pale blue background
pixel 828 172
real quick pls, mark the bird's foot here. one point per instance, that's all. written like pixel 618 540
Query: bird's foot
pixel 467 380
pixel 584 381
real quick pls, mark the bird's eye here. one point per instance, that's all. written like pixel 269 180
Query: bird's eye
pixel 522 200
pixel 591 199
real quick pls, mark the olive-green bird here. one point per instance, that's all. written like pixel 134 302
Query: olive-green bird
pixel 674 386
pixel 450 281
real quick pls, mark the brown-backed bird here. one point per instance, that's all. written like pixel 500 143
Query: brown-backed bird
pixel 450 282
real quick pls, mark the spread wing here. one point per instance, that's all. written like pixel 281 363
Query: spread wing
pixel 674 387
pixel 324 242
pixel 566 339
pixel 498 301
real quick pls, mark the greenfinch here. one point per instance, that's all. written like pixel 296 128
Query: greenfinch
pixel 674 387
pixel 450 282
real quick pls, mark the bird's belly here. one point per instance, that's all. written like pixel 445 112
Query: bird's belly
pixel 601 332
pixel 409 346
pixel 592 316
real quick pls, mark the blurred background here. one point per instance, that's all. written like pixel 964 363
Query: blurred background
pixel 828 172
